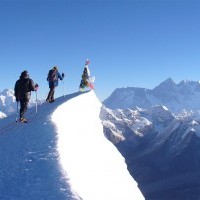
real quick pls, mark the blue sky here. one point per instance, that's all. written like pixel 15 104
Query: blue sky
pixel 129 43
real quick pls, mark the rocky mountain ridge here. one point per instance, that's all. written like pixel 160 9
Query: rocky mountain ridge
pixel 161 149
pixel 158 133
pixel 184 95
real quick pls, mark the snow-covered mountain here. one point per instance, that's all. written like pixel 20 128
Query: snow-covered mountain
pixel 62 154
pixel 8 103
pixel 7 100
pixel 184 95
pixel 2 115
pixel 126 123
pixel 161 149
pixel 158 133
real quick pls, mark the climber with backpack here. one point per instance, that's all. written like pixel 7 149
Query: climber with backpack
pixel 52 78
pixel 23 88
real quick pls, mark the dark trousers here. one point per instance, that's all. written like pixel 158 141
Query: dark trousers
pixel 23 107
pixel 51 94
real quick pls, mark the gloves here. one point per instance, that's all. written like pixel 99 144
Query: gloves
pixel 36 86
pixel 63 75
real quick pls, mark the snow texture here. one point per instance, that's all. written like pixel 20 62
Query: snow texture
pixel 62 154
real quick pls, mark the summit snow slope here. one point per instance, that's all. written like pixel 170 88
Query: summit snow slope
pixel 62 154
pixel 95 167
pixel 29 159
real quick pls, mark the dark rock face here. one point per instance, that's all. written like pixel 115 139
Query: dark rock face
pixel 162 151
pixel 163 173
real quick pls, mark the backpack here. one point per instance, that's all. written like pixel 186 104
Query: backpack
pixel 24 85
pixel 22 89
pixel 52 76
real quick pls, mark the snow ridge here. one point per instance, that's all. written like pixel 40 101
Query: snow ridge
pixel 67 158
pixel 97 169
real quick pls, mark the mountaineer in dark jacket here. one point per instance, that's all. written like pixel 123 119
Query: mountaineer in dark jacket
pixel 23 88
pixel 52 78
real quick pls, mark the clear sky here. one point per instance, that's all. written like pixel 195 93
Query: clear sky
pixel 137 43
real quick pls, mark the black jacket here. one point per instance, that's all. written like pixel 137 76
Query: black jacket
pixel 23 88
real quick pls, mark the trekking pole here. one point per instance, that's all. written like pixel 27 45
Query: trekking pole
pixel 63 88
pixel 17 113
pixel 36 102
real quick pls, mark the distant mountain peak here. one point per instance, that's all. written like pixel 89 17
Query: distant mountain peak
pixel 159 108
pixel 168 83
pixel 7 93
pixel 184 95
pixel 8 102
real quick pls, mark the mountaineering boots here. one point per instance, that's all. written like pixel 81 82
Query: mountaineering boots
pixel 23 120
pixel 50 101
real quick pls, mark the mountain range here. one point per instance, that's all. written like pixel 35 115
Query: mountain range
pixel 176 97
pixel 184 95
pixel 158 133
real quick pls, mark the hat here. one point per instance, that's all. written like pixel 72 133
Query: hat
pixel 55 68
pixel 24 73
